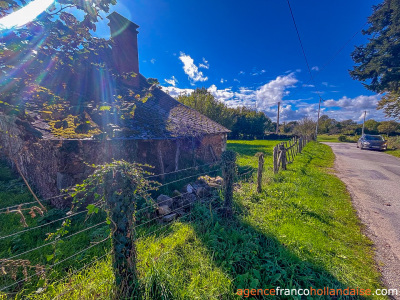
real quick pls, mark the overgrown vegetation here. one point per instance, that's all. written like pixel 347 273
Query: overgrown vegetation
pixel 301 231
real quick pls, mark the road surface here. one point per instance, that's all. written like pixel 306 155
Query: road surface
pixel 373 180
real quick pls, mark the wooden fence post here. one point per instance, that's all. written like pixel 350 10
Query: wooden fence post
pixel 283 155
pixel 276 163
pixel 122 209
pixel 260 171
pixel 228 163
pixel 292 150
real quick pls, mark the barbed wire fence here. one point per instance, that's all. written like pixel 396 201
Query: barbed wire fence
pixel 153 218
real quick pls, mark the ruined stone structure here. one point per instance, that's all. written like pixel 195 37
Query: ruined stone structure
pixel 163 133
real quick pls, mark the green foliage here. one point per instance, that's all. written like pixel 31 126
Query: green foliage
pixel 13 191
pixel 390 103
pixel 54 46
pixel 388 127
pixel 243 122
pixel 250 124
pixel 116 187
pixel 204 102
pixel 378 61
pixel 342 138
pixel 51 65
pixel 305 127
pixel 302 231
pixel 371 126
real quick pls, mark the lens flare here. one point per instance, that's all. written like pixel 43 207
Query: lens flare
pixel 25 15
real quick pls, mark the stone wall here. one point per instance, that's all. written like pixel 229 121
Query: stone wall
pixel 52 165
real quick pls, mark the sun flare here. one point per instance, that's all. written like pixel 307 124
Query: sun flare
pixel 25 15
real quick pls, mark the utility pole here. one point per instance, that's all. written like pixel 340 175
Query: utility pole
pixel 277 118
pixel 319 111
pixel 365 114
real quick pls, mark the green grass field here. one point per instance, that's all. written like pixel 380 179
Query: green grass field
pixel 300 232
pixel 334 138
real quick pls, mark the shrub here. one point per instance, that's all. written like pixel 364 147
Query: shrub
pixel 394 142
pixel 342 138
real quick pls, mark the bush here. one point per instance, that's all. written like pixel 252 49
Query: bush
pixel 342 138
pixel 394 142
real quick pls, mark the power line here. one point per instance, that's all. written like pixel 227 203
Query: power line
pixel 301 43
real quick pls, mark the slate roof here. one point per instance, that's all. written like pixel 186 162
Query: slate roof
pixel 160 117
pixel 164 117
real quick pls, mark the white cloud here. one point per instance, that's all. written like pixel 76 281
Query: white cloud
pixel 359 103
pixel 153 60
pixel 315 68
pixel 308 85
pixel 256 73
pixel 205 64
pixel 352 108
pixel 242 72
pixel 265 96
pixel 173 81
pixel 175 92
pixel 222 95
pixel 191 69
pixel 223 80
pixel 236 80
pixel 271 93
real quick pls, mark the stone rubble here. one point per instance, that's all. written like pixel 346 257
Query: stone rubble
pixel 169 207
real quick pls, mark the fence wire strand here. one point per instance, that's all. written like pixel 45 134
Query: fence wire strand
pixel 182 170
pixel 40 226
pixel 53 242
pixel 55 264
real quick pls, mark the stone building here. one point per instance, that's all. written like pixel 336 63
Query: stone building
pixel 163 132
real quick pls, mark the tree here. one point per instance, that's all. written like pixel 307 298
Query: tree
pixel 378 62
pixel 244 122
pixel 390 103
pixel 388 127
pixel 48 59
pixel 204 102
pixel 250 124
pixel 305 127
pixel 326 124
pixel 56 68
pixel 371 126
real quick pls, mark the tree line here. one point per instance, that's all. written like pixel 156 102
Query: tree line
pixel 244 122
pixel 327 125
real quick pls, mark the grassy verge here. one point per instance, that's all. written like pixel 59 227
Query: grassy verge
pixel 334 138
pixel 300 232
pixel 393 152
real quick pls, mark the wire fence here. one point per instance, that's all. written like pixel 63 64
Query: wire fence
pixel 154 218
pixel 181 212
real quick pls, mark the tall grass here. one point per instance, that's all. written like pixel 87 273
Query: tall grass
pixel 300 232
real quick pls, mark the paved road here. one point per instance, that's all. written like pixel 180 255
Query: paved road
pixel 373 179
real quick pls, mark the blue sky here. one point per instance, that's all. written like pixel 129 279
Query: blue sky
pixel 248 53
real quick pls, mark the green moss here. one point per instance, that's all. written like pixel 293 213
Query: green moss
pixel 73 130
